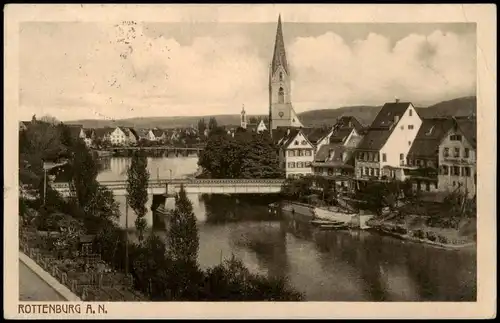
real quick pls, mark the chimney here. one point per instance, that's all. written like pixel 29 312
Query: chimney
pixel 396 119
pixel 397 100
pixel 288 131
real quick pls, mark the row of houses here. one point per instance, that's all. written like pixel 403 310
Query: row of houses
pixel 437 154
pixel 125 136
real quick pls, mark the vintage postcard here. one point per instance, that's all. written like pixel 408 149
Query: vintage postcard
pixel 250 161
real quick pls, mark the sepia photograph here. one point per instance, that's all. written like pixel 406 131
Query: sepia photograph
pixel 230 160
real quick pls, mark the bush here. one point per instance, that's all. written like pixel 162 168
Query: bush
pixel 400 230
pixel 420 234
pixel 431 236
pixel 442 239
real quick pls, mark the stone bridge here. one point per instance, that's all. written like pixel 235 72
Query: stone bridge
pixel 194 186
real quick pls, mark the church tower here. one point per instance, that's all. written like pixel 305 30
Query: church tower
pixel 243 118
pixel 281 112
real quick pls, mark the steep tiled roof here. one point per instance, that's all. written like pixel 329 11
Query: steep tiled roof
pixel 334 155
pixel 385 118
pixel 383 125
pixel 289 137
pixel 133 132
pixel 101 132
pixel 340 135
pixel 468 126
pixel 324 152
pixel 349 122
pixel 316 134
pixel 430 134
pixel 158 132
pixel 88 133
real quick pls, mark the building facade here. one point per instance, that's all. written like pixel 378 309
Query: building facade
pixel 457 158
pixel 383 151
pixel 296 154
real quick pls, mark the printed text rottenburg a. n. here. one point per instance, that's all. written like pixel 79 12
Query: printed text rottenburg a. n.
pixel 61 309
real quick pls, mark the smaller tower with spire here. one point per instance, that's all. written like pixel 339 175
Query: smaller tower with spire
pixel 243 118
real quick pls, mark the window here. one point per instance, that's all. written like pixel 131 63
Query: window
pixel 456 171
pixel 281 76
pixel 376 157
pixel 427 186
pixel 299 164
pixel 454 183
pixel 444 170
pixel 410 161
pixel 410 127
pixel 384 157
pixel 308 152
pixel 281 95
pixel 376 172
pixel 402 127
pixel 401 156
pixel 446 152
pixel 409 143
pixel 291 165
pixel 301 153
pixel 291 153
pixel 466 152
pixel 304 142
pixel 457 152
pixel 456 138
pixel 466 171
pixel 296 142
pixel 369 171
pixel 410 112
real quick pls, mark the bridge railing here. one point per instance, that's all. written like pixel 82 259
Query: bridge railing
pixel 162 182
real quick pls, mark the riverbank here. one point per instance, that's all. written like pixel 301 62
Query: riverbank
pixel 413 228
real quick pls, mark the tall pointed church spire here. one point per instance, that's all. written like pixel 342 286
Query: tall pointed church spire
pixel 279 55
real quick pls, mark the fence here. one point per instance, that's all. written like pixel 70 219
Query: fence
pixel 89 286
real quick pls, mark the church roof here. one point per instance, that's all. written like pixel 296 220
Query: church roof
pixel 279 55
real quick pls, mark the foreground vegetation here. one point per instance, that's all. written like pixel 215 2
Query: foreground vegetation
pixel 161 270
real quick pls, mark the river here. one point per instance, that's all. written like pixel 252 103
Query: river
pixel 324 265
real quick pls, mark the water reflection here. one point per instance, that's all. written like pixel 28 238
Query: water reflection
pixel 115 168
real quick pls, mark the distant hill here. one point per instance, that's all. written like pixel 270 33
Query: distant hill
pixel 365 114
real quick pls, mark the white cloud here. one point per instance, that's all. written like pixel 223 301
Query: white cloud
pixel 86 71
pixel 419 68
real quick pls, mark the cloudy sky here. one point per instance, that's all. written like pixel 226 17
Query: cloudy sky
pixel 75 70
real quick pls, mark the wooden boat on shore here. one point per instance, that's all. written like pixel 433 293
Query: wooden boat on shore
pixel 333 226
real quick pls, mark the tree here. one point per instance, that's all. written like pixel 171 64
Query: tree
pixel 253 120
pixel 247 155
pixel 259 158
pixel 201 126
pixel 137 184
pixel 84 173
pixel 50 120
pixel 212 124
pixel 183 241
